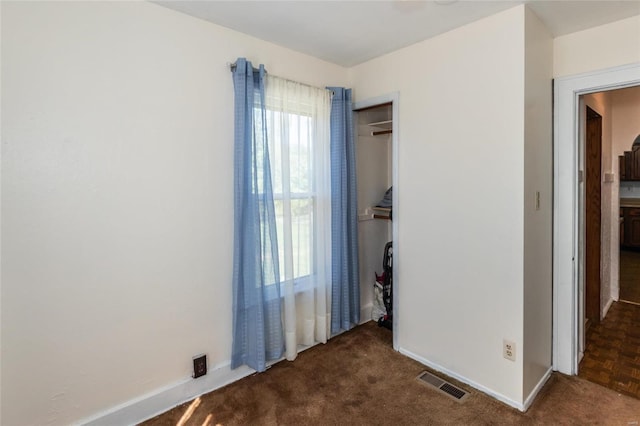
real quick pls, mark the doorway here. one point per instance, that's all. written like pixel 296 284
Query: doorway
pixel 609 125
pixel 568 325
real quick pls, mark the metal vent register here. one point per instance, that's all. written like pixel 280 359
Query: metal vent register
pixel 443 386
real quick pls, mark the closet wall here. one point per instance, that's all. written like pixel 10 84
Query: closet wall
pixel 374 174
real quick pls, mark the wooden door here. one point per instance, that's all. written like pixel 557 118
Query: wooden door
pixel 592 215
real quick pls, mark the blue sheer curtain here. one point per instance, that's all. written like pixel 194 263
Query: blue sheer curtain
pixel 345 280
pixel 257 310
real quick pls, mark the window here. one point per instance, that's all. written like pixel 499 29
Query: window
pixel 297 125
pixel 293 191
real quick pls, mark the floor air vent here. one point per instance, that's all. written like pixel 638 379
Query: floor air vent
pixel 447 388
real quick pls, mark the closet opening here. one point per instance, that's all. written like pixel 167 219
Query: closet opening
pixel 376 167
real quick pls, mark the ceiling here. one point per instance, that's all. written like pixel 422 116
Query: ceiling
pixel 348 33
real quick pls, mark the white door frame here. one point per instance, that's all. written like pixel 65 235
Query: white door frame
pixel 395 132
pixel 566 208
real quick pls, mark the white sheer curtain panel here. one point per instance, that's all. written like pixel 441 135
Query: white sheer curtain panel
pixel 298 118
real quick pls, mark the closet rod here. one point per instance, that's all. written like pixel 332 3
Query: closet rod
pixel 374 107
pixel 381 132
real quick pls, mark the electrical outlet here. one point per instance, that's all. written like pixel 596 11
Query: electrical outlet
pixel 199 365
pixel 509 350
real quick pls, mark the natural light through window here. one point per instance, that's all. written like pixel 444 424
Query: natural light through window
pixel 292 171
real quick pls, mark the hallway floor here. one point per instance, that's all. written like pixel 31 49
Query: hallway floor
pixel 612 353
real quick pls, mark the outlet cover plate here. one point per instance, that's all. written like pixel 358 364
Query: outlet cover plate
pixel 509 350
pixel 199 365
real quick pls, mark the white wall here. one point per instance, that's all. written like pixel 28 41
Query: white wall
pixel 1 315
pixel 606 46
pixel 461 154
pixel 117 224
pixel 625 104
pixel 536 350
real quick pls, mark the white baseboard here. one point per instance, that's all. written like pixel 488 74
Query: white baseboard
pixel 365 313
pixel 159 401
pixel 463 379
pixel 536 390
pixel 606 308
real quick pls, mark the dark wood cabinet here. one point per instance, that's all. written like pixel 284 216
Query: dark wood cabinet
pixel 633 230
pixel 629 165
pixel 630 235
